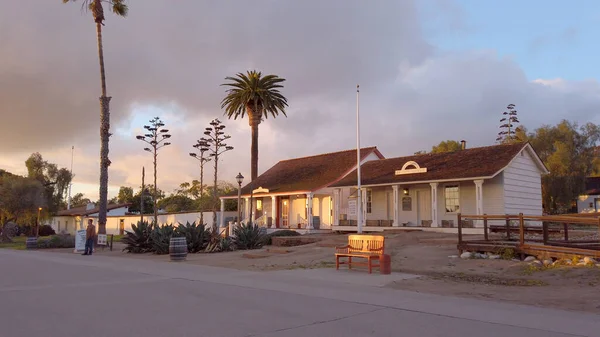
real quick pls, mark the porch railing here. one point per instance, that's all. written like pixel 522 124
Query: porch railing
pixel 261 221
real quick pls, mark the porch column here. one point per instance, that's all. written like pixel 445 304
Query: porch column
pixel 336 206
pixel 222 220
pixel 274 211
pixel 479 198
pixel 246 209
pixel 309 209
pixel 364 206
pixel 434 205
pixel 396 208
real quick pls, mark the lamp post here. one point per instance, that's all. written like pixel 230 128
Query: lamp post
pixel 37 230
pixel 239 179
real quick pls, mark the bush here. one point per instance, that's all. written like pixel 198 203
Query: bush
pixel 46 230
pixel 161 238
pixel 283 232
pixel 139 240
pixel 196 235
pixel 248 236
pixel 57 241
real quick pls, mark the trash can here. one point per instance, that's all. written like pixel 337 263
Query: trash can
pixel 385 265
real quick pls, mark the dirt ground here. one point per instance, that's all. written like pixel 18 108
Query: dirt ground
pixel 429 255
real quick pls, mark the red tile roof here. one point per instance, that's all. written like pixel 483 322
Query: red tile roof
pixel 84 211
pixel 469 163
pixel 307 173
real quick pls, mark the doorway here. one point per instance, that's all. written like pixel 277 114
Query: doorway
pixel 285 212
pixel 423 207
pixel 121 226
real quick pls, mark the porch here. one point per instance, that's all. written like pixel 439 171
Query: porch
pixel 426 206
pixel 298 211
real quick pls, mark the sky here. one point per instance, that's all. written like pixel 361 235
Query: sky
pixel 429 70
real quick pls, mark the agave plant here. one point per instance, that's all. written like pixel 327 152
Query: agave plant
pixel 214 242
pixel 196 235
pixel 161 238
pixel 248 236
pixel 138 241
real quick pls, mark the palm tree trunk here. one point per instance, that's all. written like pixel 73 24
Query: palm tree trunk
pixel 104 135
pixel 254 121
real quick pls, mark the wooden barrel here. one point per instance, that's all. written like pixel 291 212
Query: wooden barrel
pixel 385 266
pixel 178 248
pixel 31 243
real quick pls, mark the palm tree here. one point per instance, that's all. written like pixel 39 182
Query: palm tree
pixel 119 8
pixel 256 96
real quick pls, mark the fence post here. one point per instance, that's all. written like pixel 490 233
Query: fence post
pixel 485 227
pixel 545 231
pixel 566 228
pixel 521 229
pixel 507 227
pixel 459 228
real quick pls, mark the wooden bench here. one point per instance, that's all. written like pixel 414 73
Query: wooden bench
pixel 370 247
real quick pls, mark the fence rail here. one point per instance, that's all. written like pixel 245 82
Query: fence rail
pixel 551 235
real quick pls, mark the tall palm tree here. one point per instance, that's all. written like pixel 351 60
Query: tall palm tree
pixel 256 96
pixel 120 8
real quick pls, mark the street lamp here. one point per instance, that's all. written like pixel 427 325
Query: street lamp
pixel 239 179
pixel 37 232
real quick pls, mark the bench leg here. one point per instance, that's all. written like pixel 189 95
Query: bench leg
pixel 349 262
pixel 337 263
pixel 370 267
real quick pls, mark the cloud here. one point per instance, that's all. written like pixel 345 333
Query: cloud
pixel 168 61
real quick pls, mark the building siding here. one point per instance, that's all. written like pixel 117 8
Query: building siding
pixel 522 186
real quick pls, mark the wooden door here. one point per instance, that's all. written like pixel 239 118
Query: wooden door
pixel 423 206
pixel 121 226
pixel 285 212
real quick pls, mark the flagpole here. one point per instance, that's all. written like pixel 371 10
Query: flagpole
pixel 71 182
pixel 359 213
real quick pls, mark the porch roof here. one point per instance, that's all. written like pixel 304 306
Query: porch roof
pixel 469 163
pixel 307 173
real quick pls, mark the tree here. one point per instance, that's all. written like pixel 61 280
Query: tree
pixel 177 203
pixel 79 200
pixel 20 197
pixel 148 199
pixel 446 146
pixel 125 195
pixel 569 152
pixel 214 142
pixel 201 147
pixel 507 132
pixel 156 138
pixel 119 8
pixel 256 96
pixel 55 181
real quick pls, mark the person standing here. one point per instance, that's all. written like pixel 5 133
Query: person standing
pixel 90 234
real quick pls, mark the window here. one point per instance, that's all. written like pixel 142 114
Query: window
pixel 258 204
pixel 452 199
pixel 369 201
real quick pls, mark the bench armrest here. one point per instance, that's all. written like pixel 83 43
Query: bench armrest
pixel 377 250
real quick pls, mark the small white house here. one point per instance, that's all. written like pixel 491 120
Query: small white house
pixel 429 190
pixel 589 202
pixel 70 220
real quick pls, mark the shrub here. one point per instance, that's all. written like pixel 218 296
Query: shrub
pixel 138 241
pixel 46 230
pixel 196 235
pixel 161 238
pixel 57 241
pixel 248 236
pixel 283 232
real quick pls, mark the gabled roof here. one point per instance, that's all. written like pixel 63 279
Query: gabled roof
pixel 307 174
pixel 481 162
pixel 78 211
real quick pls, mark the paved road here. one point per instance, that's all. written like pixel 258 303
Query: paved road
pixel 52 294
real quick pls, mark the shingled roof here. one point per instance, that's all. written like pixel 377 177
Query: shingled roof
pixel 469 163
pixel 308 173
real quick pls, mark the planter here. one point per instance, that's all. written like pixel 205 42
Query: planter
pixel 178 249
pixel 31 243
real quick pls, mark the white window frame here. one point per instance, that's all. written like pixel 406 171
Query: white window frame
pixel 369 203
pixel 446 186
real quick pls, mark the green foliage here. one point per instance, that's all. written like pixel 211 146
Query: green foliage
pixel 125 195
pixel 508 253
pixel 196 235
pixel 46 230
pixel 20 198
pixel 161 238
pixel 226 244
pixel 79 200
pixel 55 180
pixel 255 92
pixel 447 146
pixel 139 240
pixel 176 203
pixel 57 241
pixel 284 232
pixel 248 236
pixel 569 152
